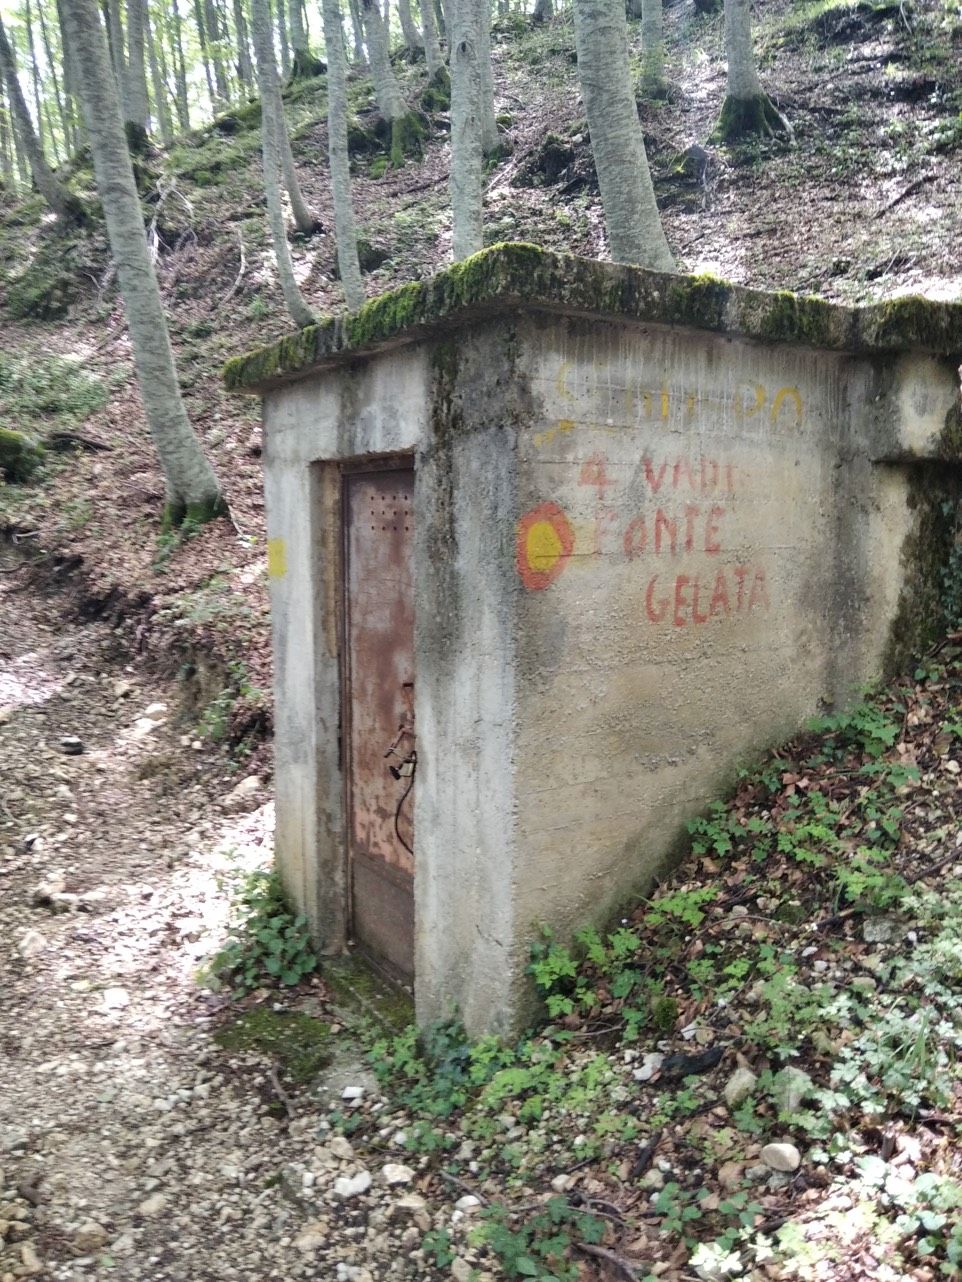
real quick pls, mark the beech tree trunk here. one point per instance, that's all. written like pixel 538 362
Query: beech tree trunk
pixel 53 191
pixel 345 231
pixel 283 38
pixel 216 41
pixel 412 36
pixel 467 157
pixel 6 144
pixel 635 233
pixel 386 91
pixel 747 109
pixel 652 82
pixel 55 79
pixel 543 11
pixel 192 488
pixel 180 66
pixel 358 30
pixel 135 117
pixel 245 69
pixel 490 138
pixel 205 50
pixel 161 111
pixel 432 46
pixel 115 32
pixel 271 123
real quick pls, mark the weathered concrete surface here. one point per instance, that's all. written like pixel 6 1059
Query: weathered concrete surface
pixel 643 553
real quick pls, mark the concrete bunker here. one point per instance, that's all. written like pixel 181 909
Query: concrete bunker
pixel 554 545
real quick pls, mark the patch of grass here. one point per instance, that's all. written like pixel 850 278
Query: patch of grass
pixel 44 391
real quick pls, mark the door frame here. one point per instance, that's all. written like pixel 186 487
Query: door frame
pixel 368 466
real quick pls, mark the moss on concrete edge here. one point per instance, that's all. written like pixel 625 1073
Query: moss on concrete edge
pixel 521 275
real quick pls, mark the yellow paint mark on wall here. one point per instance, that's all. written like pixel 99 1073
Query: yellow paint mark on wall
pixel 562 425
pixel 783 394
pixel 543 546
pixel 276 558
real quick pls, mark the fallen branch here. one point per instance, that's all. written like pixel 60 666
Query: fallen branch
pixel 281 1094
pixel 610 1257
pixel 240 273
pixel 910 190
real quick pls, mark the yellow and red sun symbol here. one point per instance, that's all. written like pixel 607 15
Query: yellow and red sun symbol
pixel 545 541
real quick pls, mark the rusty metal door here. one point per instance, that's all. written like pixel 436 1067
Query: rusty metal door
pixel 378 710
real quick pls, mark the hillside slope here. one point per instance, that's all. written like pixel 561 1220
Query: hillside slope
pixel 865 204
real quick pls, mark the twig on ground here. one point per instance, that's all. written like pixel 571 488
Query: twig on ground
pixel 240 273
pixel 910 190
pixel 281 1094
pixel 610 1257
pixel 465 1188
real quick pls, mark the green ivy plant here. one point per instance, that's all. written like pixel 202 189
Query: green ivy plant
pixel 267 944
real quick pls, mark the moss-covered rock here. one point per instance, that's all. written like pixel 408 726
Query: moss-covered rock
pixel 19 456
pixel 436 95
pixel 45 290
pixel 407 137
pixel 304 66
pixel 519 275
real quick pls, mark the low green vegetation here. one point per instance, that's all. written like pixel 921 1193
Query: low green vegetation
pixel 798 982
pixel 267 946
pixel 40 391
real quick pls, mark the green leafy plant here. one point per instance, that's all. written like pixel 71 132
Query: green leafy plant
pixel 267 944
pixel 540 1246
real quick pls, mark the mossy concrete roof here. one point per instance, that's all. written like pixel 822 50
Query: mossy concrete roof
pixel 518 276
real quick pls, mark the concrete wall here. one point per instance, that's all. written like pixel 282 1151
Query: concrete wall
pixel 642 553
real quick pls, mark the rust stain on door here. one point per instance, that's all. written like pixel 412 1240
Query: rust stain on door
pixel 379 709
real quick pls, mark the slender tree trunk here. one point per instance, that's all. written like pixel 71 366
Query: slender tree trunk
pixel 345 232
pixel 115 32
pixel 135 119
pixel 543 11
pixel 34 63
pixel 432 46
pixel 160 53
pixel 71 110
pixel 245 70
pixel 51 189
pixel 747 109
pixel 490 138
pixel 299 42
pixel 304 220
pixel 409 28
pixel 358 30
pixel 467 158
pixel 652 82
pixel 161 107
pixel 635 234
pixel 192 488
pixel 202 37
pixel 386 91
pixel 215 44
pixel 283 38
pixel 6 145
pixel 54 78
pixel 271 122
pixel 23 166
pixel 180 66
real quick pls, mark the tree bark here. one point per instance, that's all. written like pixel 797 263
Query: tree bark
pixel 53 191
pixel 192 488
pixel 283 38
pixel 345 231
pixel 635 233
pixel 6 144
pixel 245 69
pixel 409 28
pixel 71 103
pixel 543 11
pixel 59 99
pixel 271 123
pixel 135 118
pixel 747 109
pixel 358 29
pixel 432 46
pixel 467 157
pixel 386 91
pixel 490 138
pixel 205 51
pixel 215 38
pixel 115 32
pixel 652 82
pixel 161 106
pixel 181 98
